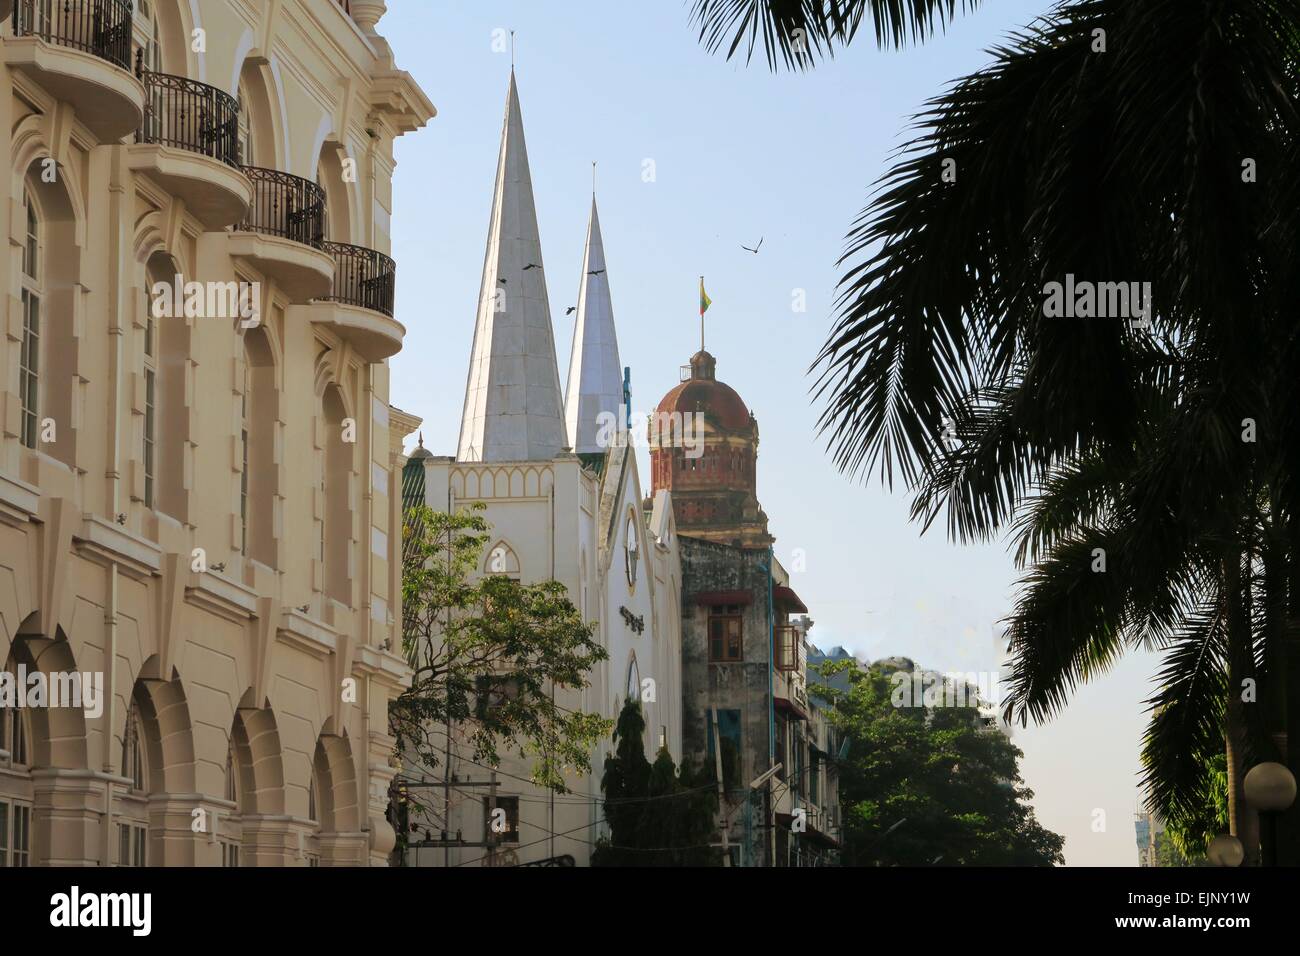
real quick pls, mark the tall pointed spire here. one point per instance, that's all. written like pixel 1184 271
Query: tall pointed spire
pixel 513 410
pixel 595 375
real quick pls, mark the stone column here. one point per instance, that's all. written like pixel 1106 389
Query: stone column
pixel 67 817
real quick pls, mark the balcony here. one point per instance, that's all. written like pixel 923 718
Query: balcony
pixel 79 51
pixel 283 233
pixel 189 142
pixel 360 307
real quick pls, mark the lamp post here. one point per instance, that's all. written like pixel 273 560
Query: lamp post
pixel 1225 850
pixel 1270 788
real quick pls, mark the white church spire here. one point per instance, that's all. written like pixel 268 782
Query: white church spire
pixel 513 410
pixel 595 375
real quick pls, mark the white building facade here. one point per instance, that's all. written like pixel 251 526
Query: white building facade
pixel 576 517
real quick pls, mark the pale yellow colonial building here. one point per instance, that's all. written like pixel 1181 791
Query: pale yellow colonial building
pixel 199 484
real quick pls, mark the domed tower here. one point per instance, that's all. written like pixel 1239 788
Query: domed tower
pixel 704 450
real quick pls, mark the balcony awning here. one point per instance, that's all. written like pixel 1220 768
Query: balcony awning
pixel 785 597
pixel 785 820
pixel 714 598
pixel 787 706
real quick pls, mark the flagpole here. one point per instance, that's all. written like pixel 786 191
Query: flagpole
pixel 701 313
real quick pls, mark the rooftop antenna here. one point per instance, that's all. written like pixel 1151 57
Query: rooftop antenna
pixel 593 178
pixel 512 51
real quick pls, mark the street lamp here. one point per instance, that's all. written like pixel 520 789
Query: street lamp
pixel 1225 850
pixel 1270 789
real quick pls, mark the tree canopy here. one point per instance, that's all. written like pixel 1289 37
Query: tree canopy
pixel 489 654
pixel 656 815
pixel 928 784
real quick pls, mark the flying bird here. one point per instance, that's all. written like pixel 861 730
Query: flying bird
pixel 755 249
pixel 596 272
pixel 531 265
pixel 502 281
pixel 570 310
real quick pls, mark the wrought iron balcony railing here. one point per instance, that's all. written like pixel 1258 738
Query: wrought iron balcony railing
pixel 285 205
pixel 99 27
pixel 189 115
pixel 362 277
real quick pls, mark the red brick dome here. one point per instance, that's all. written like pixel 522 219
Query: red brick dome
pixel 704 393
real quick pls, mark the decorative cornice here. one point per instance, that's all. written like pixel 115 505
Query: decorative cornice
pixel 111 543
pixel 307 634
pixel 383 666
pixel 227 599
pixel 19 501
pixel 396 97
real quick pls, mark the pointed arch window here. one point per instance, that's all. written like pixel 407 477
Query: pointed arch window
pixel 29 363
pixel 633 680
pixel 630 550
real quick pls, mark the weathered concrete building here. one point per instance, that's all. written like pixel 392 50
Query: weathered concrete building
pixel 745 704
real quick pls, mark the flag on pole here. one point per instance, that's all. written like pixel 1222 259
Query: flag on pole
pixel 705 301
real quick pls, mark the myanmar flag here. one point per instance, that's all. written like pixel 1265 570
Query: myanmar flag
pixel 705 301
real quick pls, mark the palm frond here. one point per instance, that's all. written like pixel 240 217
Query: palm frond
pixel 797 34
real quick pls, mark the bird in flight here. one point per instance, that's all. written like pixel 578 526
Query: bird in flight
pixel 756 248
pixel 502 281
pixel 596 272
pixel 531 265
pixel 570 310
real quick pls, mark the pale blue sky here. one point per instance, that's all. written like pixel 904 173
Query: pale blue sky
pixel 738 154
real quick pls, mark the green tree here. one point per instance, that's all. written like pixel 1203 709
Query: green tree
pixel 489 654
pixel 927 784
pixel 656 815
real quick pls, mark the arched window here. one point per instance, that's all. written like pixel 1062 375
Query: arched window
pixel 150 407
pixel 244 430
pixel 148 43
pixel 164 350
pixel 16 791
pixel 336 533
pixel 330 178
pixel 313 814
pixel 502 560
pixel 29 367
pixel 631 555
pixel 133 818
pixel 153 48
pixel 231 829
pixel 13 735
pixel 633 680
pixel 245 128
pixel 258 477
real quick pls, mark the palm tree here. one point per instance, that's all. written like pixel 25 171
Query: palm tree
pixel 798 33
pixel 1113 141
